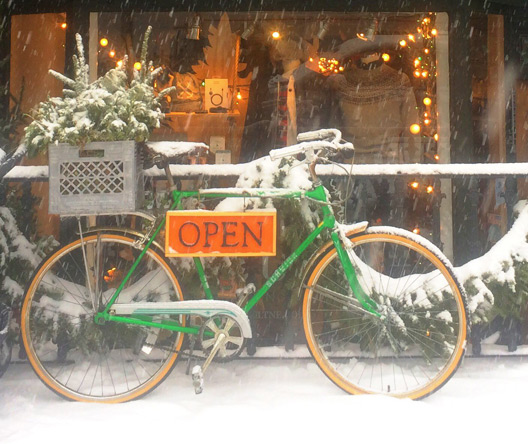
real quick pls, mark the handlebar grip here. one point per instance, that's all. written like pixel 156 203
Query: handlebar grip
pixel 347 150
pixel 279 153
pixel 321 134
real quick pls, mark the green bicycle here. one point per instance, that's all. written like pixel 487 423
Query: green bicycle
pixel 104 317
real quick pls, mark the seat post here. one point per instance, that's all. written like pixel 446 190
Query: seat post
pixel 170 179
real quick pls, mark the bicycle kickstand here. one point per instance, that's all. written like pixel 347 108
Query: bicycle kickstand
pixel 198 371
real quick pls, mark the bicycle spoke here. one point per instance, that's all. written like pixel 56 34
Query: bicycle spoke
pixel 409 345
pixel 99 361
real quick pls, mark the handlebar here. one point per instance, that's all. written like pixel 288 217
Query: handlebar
pixel 322 134
pixel 313 141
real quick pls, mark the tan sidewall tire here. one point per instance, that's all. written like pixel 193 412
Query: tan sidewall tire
pixel 34 361
pixel 325 255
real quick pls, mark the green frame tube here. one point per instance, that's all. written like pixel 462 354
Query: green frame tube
pixel 328 222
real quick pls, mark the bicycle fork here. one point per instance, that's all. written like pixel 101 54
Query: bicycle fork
pixel 346 256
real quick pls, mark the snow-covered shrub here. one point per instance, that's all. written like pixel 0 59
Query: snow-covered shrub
pixel 18 258
pixel 113 107
pixel 497 283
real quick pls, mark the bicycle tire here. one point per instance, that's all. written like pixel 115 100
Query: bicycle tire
pixel 79 359
pixel 416 345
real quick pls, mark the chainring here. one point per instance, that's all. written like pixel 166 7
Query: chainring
pixel 232 346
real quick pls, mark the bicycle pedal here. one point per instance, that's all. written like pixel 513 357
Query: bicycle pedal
pixel 251 347
pixel 197 378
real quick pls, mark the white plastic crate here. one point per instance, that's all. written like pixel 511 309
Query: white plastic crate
pixel 101 178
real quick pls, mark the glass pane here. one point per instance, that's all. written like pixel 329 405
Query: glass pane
pixel 250 82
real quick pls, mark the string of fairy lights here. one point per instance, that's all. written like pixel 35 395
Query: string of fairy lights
pixel 422 55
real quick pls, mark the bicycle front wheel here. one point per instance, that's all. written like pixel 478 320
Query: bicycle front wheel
pixel 414 344
pixel 84 361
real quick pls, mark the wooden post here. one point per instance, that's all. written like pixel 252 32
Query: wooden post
pixel 466 244
pixel 521 126
pixel 496 110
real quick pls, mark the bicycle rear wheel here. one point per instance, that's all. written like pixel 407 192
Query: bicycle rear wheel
pixel 416 344
pixel 79 359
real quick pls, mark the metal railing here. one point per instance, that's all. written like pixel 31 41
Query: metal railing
pixel 461 211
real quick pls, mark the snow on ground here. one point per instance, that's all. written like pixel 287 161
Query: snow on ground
pixel 278 400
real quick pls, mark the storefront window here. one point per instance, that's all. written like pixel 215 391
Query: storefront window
pixel 249 82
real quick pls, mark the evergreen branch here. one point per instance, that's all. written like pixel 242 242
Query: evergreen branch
pixel 166 91
pixel 144 47
pixel 82 74
pixel 66 80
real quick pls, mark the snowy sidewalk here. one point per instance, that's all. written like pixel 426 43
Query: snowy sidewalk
pixel 285 401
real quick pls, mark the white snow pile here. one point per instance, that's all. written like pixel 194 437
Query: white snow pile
pixel 497 265
pixel 267 173
pixel 175 149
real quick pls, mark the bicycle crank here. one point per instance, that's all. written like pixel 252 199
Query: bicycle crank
pixel 220 337
pixel 232 340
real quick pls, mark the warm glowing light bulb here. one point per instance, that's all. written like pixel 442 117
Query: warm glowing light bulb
pixel 403 43
pixel 414 185
pixel 64 25
pixel 434 32
pixel 311 59
pixel 427 122
pixel 425 74
pixel 411 37
pixel 276 35
pixel 137 66
pixel 119 63
pixel 111 53
pixel 417 73
pixel 103 42
pixel 385 57
pixel 429 189
pixel 427 101
pixel 341 68
pixel 426 50
pixel 416 63
pixel 414 128
pixel 436 137
pixel 238 95
pixel 416 230
pixel 436 157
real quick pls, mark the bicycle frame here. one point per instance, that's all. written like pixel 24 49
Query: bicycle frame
pixel 317 194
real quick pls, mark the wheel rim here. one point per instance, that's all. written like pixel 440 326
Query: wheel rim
pixel 416 345
pixel 85 361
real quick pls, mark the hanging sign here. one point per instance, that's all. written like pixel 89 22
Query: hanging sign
pixel 213 233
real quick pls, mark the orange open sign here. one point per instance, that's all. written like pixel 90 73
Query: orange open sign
pixel 212 233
